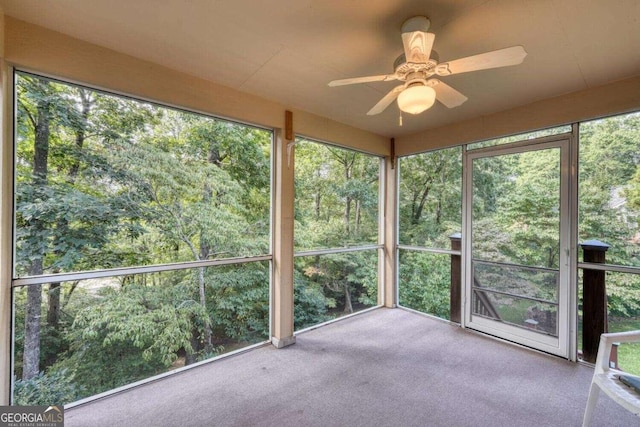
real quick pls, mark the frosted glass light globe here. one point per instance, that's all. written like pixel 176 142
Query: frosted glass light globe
pixel 416 99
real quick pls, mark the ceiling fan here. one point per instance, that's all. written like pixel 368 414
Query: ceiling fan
pixel 416 66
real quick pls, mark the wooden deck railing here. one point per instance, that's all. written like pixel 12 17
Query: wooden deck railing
pixel 594 307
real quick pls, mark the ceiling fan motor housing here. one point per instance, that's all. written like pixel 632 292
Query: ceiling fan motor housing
pixel 404 69
pixel 417 23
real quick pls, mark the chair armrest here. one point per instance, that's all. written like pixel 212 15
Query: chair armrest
pixel 604 349
pixel 629 336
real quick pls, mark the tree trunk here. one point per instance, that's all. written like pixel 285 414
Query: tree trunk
pixel 200 254
pixel 347 215
pixel 420 207
pixel 53 313
pixel 208 345
pixel 443 181
pixel 67 297
pixel 318 199
pixel 348 163
pixel 417 209
pixel 192 356
pixel 62 225
pixel 551 258
pixel 348 308
pixel 53 321
pixel 213 157
pixel 41 146
pixel 31 352
pixel 87 103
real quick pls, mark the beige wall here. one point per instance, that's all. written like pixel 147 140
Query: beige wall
pixel 37 49
pixel 619 97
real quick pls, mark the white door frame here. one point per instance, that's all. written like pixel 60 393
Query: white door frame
pixel 563 344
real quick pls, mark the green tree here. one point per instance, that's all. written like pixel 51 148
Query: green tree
pixel 336 205
pixel 530 211
pixel 430 210
pixel 133 331
pixel 609 209
pixel 430 197
pixel 128 183
pixel 61 218
pixel 425 282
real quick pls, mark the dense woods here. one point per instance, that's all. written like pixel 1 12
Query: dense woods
pixel 104 182
pixel 108 182
pixel 513 211
pixel 336 206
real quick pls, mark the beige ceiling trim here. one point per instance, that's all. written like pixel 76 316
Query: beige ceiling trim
pixel 37 49
pixel 614 98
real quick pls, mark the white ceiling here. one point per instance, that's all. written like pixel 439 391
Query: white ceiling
pixel 288 50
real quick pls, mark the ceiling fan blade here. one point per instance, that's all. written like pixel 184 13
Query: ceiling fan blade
pixel 417 46
pixel 386 101
pixel 513 55
pixel 354 80
pixel 446 94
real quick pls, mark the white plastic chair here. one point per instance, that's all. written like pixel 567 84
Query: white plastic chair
pixel 607 379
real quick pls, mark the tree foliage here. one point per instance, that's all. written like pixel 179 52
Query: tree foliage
pixel 104 182
pixel 336 206
pixel 515 210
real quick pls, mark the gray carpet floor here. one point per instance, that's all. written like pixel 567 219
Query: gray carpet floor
pixel 387 367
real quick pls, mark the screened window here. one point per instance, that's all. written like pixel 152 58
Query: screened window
pixel 609 186
pixel 430 220
pixel 337 197
pixel 430 198
pixel 609 212
pixel 104 181
pixel 142 239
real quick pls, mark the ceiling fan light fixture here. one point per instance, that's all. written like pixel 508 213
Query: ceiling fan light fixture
pixel 419 63
pixel 416 99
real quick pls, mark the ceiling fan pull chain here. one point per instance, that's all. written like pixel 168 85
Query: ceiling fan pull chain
pixel 400 117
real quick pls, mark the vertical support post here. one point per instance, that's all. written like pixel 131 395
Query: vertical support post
pixel 455 296
pixel 390 228
pixel 6 223
pixel 594 300
pixel 282 301
pixel 6 220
